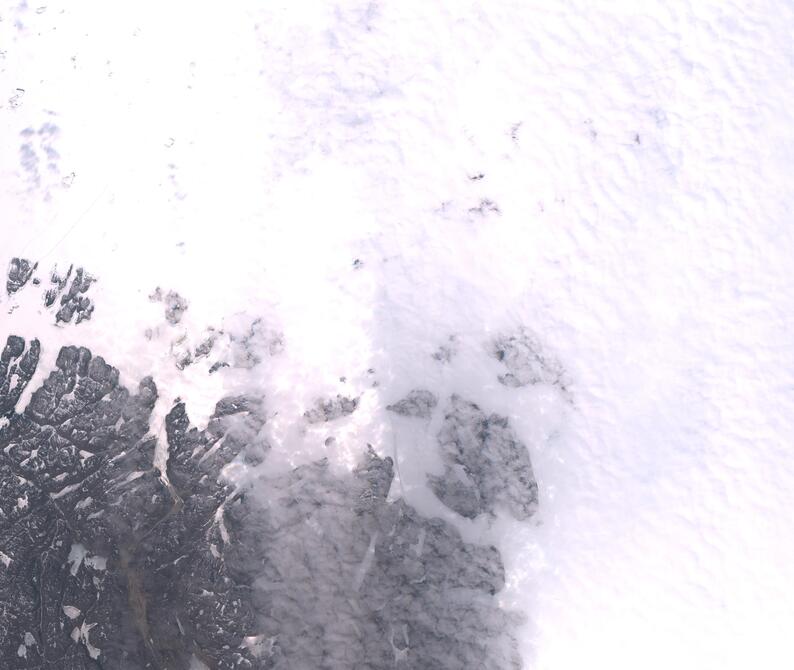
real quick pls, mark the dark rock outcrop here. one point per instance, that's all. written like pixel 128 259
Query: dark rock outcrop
pixel 73 303
pixel 104 563
pixel 486 466
pixel 418 403
pixel 100 555
pixel 350 580
pixel 330 409
pixel 20 270
pixel 70 304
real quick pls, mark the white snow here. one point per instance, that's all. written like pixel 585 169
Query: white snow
pixel 640 158
pixel 82 634
pixel 96 562
pixel 212 450
pixel 131 477
pixel 65 490
pixel 85 502
pixel 79 554
pixel 222 525
pixel 259 645
pixel 71 611
pixel 196 664
pixel 366 563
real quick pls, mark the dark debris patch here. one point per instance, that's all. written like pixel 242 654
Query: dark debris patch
pixel 242 349
pixel 447 351
pixel 248 347
pixel 486 466
pixel 484 207
pixel 418 403
pixel 175 304
pixel 527 361
pixel 331 409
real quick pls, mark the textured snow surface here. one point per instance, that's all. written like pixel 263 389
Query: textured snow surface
pixel 356 200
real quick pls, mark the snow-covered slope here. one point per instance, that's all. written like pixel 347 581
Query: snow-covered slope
pixel 363 199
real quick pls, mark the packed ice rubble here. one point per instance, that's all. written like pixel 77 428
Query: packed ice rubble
pixel 109 563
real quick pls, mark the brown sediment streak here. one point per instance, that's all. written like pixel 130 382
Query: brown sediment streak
pixel 137 600
pixel 136 593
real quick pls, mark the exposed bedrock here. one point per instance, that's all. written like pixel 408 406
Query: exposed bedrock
pixel 106 564
pixel 486 466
